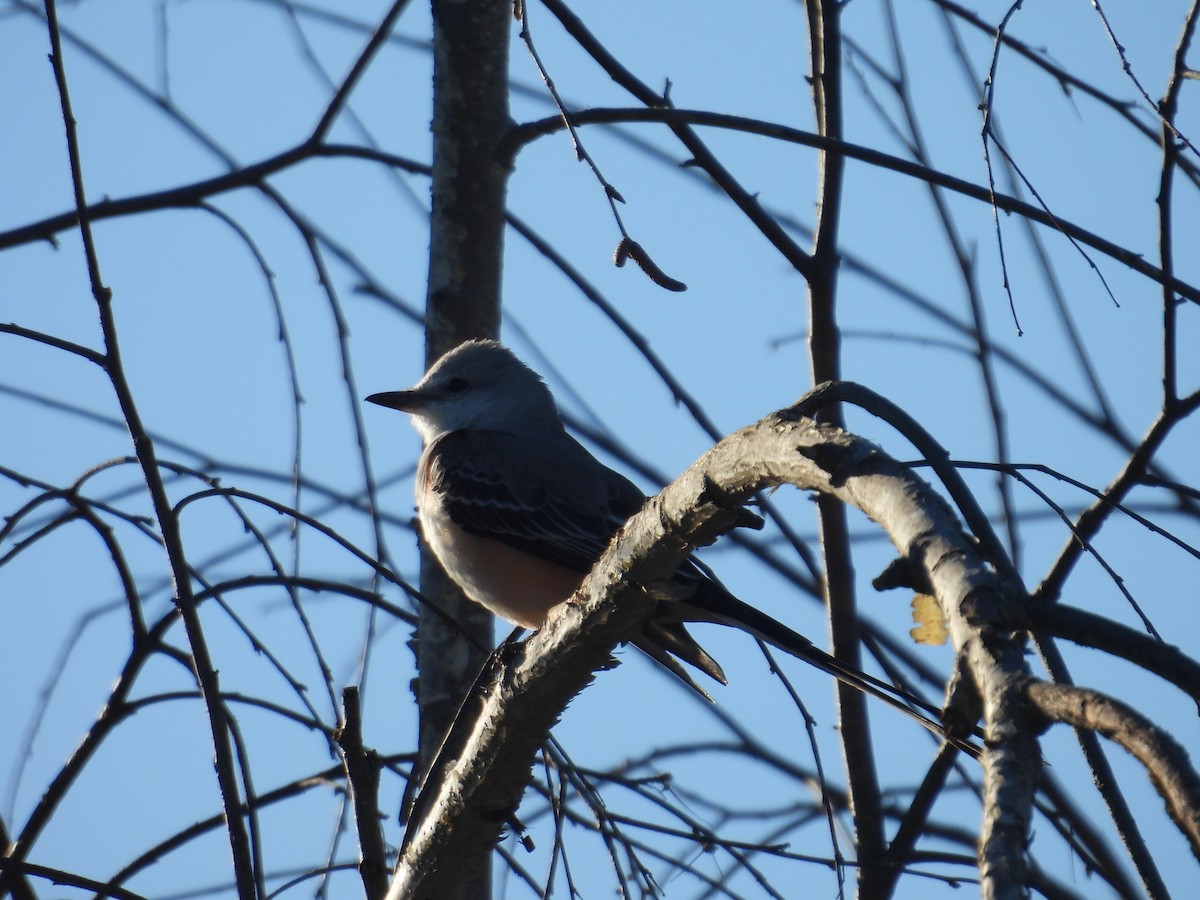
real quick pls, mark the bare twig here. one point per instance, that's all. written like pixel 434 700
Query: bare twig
pixel 205 671
pixel 362 775
pixel 627 247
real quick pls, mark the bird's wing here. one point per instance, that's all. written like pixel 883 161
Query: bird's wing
pixel 557 503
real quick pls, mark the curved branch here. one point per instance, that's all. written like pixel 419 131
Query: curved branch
pixel 1087 629
pixel 479 783
pixel 1166 761
pixel 192 194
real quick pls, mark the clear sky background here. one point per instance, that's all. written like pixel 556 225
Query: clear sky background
pixel 199 329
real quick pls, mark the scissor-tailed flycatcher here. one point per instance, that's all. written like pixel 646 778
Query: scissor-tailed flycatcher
pixel 518 512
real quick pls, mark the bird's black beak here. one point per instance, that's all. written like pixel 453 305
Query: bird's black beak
pixel 405 401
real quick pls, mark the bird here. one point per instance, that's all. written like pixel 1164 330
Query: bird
pixel 518 512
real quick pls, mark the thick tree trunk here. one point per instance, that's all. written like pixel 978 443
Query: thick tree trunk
pixel 470 117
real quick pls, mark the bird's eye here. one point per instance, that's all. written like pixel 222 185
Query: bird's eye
pixel 457 385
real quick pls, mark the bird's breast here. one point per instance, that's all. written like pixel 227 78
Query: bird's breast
pixel 514 585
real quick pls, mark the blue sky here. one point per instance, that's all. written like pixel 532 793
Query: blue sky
pixel 199 331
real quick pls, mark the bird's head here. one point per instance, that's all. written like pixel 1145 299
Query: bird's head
pixel 479 385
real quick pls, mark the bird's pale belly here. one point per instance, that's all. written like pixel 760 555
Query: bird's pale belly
pixel 510 583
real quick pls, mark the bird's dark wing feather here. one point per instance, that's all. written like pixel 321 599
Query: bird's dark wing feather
pixel 569 520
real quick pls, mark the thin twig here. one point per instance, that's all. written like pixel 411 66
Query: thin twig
pixel 205 670
pixel 362 774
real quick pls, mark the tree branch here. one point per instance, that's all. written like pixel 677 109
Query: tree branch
pixel 362 775
pixel 1166 761
pixel 481 781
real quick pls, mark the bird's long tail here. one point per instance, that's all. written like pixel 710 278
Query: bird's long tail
pixel 712 603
